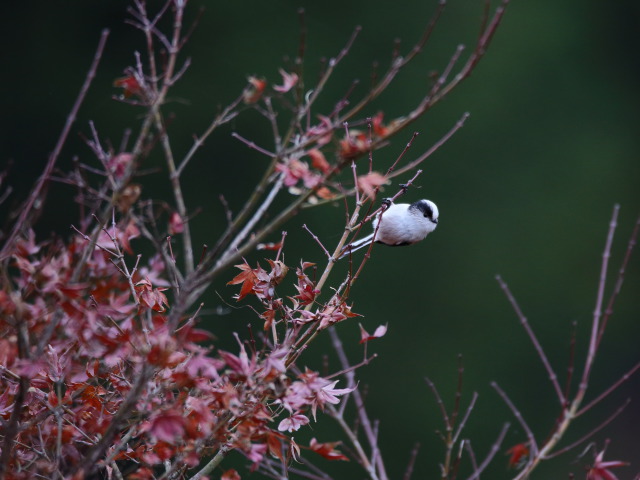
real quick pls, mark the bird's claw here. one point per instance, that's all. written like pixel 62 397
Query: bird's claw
pixel 386 202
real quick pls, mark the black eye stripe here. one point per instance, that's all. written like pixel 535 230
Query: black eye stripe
pixel 425 207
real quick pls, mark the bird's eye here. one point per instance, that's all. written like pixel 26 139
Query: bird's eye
pixel 428 213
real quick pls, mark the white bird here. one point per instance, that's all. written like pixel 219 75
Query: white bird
pixel 400 224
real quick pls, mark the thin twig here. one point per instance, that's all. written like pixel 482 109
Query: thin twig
pixel 412 461
pixel 466 416
pixel 239 238
pixel 492 452
pixel 315 237
pixel 597 312
pixel 362 413
pixel 584 438
pixel 532 336
pixel 443 410
pixel 212 464
pixel 35 194
pixel 516 413
pixel 609 390
pixel 620 280
pixel 410 166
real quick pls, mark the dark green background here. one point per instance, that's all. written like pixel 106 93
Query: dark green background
pixel 525 189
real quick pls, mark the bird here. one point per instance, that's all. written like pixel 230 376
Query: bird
pixel 399 225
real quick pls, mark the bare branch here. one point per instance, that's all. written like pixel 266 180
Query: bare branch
pixel 22 222
pixel 597 312
pixel 516 413
pixel 525 323
pixel 492 452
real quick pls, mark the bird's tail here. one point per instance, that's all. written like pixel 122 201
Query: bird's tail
pixel 357 245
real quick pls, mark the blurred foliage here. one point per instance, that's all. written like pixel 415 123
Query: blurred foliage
pixel 525 189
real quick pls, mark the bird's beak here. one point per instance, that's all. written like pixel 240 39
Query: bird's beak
pixel 435 220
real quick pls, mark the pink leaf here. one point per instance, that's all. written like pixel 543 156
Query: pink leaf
pixel 293 423
pixel 288 82
pixel 167 426
pixel 365 336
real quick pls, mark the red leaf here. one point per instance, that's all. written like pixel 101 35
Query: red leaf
pixel 318 161
pixel 230 474
pixel 151 297
pixel 356 144
pixel 118 164
pixel 253 93
pixel 378 128
pixel 275 447
pixel 327 450
pixel 247 278
pixel 519 454
pixel 269 246
pixel 129 84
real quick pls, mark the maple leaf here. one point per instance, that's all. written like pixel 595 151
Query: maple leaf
pixel 327 450
pixel 268 316
pixel 294 170
pixel 293 423
pixel 371 182
pixel 128 197
pixel 274 443
pixel 151 297
pixel 278 271
pixel 129 84
pixel 354 145
pixel 600 469
pixel 240 364
pixel 253 93
pixel 324 131
pixel 325 193
pixel 519 454
pixel 269 246
pixel 318 160
pixel 378 128
pixel 230 474
pixel 27 246
pixel 306 291
pixel 167 426
pixel 247 278
pixel 365 336
pixel 118 164
pixel 289 80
